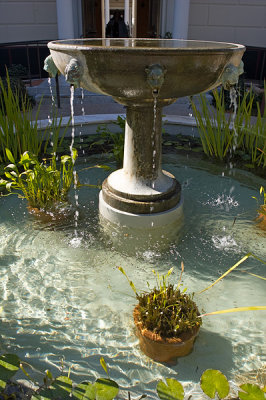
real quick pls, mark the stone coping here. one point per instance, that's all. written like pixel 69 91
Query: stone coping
pixel 111 118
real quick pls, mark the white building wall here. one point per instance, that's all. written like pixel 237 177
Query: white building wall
pixel 237 21
pixel 27 20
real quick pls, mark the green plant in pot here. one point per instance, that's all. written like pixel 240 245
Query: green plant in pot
pixel 167 319
pixel 45 185
pixel 261 218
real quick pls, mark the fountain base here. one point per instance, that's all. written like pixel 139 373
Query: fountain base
pixel 139 220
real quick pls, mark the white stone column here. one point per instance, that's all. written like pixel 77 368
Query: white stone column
pixel 65 22
pixel 180 21
pixel 103 18
pixel 134 18
pixel 126 12
pixel 107 11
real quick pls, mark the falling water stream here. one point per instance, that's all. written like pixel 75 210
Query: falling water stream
pixel 153 147
pixel 52 110
pixel 233 102
pixel 75 241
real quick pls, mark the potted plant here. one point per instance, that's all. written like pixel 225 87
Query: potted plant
pixel 261 217
pixel 167 319
pixel 44 185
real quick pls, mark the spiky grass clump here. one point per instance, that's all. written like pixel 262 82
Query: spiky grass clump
pixel 166 310
pixel 168 313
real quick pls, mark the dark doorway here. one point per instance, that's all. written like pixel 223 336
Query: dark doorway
pixel 148 18
pixel 91 18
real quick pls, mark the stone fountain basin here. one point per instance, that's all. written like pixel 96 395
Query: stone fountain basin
pixel 116 67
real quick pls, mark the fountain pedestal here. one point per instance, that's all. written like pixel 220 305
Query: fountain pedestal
pixel 141 187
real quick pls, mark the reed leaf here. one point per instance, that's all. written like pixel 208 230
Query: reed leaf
pixel 232 268
pixel 236 309
pixel 218 137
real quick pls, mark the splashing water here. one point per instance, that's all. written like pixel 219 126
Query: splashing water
pixel 153 137
pixel 76 215
pixel 223 201
pixel 233 102
pixel 153 147
pixel 81 125
pixel 52 108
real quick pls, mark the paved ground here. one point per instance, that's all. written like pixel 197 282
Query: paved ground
pixel 87 103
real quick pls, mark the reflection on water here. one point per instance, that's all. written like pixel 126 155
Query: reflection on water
pixel 149 43
pixel 62 295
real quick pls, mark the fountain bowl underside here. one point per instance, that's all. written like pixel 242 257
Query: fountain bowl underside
pixel 116 67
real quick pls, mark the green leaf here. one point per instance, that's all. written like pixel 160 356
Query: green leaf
pixel 49 375
pixel 106 389
pixel 252 392
pixel 9 364
pixel 8 175
pixel 171 390
pixel 11 166
pixel 168 143
pixel 84 391
pixel 235 309
pixel 65 159
pixel 213 381
pixel 249 166
pixel 103 364
pixel 61 388
pixel 9 186
pixel 10 156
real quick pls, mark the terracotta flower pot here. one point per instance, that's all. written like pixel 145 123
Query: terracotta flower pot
pixel 261 221
pixel 163 350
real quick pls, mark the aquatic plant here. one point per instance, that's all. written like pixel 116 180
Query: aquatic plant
pixel 261 207
pixel 165 309
pixel 213 384
pixel 246 139
pixel 19 131
pixel 114 139
pixel 44 185
pixel 162 307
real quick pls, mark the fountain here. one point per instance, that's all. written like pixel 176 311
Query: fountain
pixel 144 75
pixel 65 298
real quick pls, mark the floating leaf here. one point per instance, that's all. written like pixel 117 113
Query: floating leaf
pixel 84 391
pixel 168 143
pixel 249 166
pixel 213 381
pixel 171 390
pixel 252 392
pixel 106 389
pixel 61 388
pixel 9 364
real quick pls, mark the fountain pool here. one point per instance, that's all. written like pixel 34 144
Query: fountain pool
pixel 65 298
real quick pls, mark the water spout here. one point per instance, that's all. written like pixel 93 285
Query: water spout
pixel 155 77
pixel 231 74
pixel 50 67
pixel 74 72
